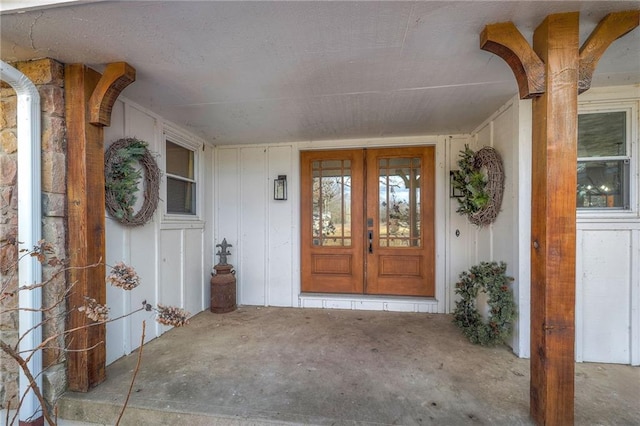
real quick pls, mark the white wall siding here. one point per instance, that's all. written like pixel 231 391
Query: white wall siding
pixel 227 203
pixel 504 231
pixel 181 267
pixel 441 299
pixel 171 256
pixel 118 333
pixel 208 213
pixel 130 245
pixel 608 242
pixel 512 229
pixel 483 241
pixel 172 249
pixel 253 226
pixel 507 239
pixel 259 227
pixel 461 234
pixel 193 264
pixel 142 250
pixel 603 322
pixel 280 235
pixel 522 269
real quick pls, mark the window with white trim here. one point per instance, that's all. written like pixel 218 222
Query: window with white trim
pixel 181 176
pixel 604 154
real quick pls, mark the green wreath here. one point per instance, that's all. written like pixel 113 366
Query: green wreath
pixel 122 178
pixel 489 277
pixel 480 182
pixel 471 183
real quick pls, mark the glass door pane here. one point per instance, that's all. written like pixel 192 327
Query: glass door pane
pixel 399 202
pixel 331 203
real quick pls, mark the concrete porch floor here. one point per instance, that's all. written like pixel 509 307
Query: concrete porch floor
pixel 308 366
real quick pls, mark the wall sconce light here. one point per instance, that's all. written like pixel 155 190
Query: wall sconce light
pixel 280 188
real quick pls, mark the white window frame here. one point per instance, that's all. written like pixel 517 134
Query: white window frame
pixel 631 110
pixel 179 138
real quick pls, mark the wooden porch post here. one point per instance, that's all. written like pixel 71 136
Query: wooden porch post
pixel 89 98
pixel 553 73
pixel 553 224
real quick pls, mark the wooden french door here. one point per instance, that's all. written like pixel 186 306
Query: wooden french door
pixel 367 220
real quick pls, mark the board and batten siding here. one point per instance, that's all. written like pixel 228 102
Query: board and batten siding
pixel 608 243
pixel 607 292
pixel 507 239
pixel 260 229
pixel 172 255
pixel 460 234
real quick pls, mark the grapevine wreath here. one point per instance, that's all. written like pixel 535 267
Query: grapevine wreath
pixel 122 179
pixel 489 277
pixel 480 181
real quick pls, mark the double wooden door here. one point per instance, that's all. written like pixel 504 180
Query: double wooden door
pixel 367 221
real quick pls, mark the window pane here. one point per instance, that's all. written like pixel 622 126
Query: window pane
pixel 181 196
pixel 179 161
pixel 602 184
pixel 602 134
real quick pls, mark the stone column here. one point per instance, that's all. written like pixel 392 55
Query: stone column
pixel 48 76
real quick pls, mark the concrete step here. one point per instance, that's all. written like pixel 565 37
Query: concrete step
pixel 77 409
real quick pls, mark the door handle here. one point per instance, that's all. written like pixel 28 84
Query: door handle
pixel 370 241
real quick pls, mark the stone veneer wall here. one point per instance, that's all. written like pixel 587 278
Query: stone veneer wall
pixel 48 76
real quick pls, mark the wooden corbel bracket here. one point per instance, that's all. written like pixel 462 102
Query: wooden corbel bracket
pixel 116 77
pixel 507 42
pixel 609 29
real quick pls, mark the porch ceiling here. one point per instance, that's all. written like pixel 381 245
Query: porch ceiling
pixel 257 72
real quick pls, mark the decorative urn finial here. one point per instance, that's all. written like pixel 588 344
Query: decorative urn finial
pixel 223 252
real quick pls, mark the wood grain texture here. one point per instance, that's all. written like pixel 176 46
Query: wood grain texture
pixel 506 41
pixel 318 274
pixel 331 264
pixel 553 228
pixel 86 229
pixel 609 29
pixel 406 270
pixel 117 76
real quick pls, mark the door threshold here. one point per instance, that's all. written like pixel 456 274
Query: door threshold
pixel 365 302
